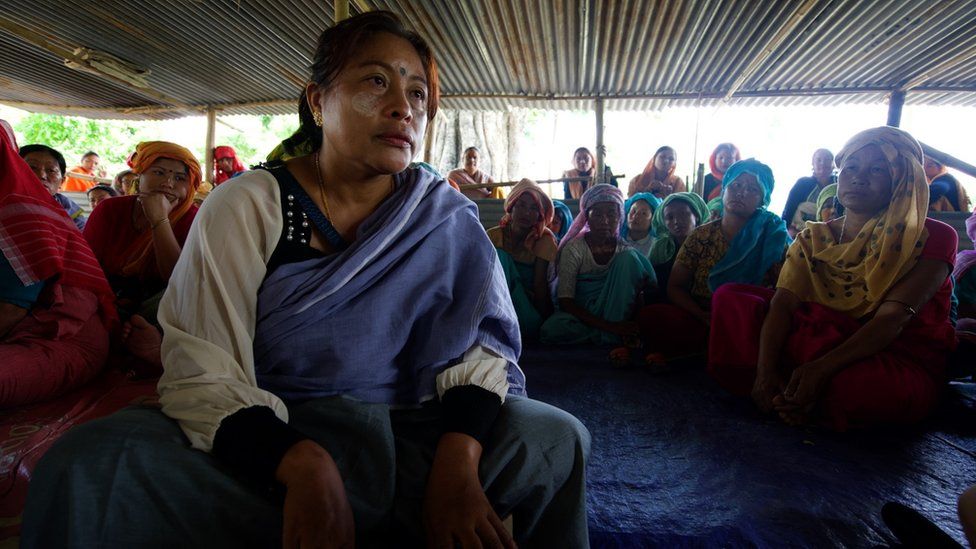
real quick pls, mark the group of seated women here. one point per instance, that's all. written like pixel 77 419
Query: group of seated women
pixel 134 242
pixel 340 339
pixel 802 326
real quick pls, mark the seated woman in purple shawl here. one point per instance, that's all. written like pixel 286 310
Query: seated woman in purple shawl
pixel 339 343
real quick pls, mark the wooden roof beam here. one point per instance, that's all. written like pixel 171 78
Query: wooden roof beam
pixel 784 32
pixel 68 54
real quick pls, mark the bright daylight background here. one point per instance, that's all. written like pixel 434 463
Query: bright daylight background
pixel 783 137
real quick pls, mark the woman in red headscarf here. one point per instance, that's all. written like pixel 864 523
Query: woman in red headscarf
pixel 724 155
pixel 138 238
pixel 55 304
pixel 226 164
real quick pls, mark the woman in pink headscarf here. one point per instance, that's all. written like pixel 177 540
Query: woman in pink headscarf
pixel 600 278
pixel 525 248
pixel 724 155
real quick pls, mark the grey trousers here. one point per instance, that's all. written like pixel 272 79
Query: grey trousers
pixel 132 480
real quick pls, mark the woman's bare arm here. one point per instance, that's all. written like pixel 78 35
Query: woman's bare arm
pixel 679 291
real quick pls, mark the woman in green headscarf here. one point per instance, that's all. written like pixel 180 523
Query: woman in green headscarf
pixel 674 220
pixel 828 207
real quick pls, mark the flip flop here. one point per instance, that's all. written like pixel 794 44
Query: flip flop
pixel 657 363
pixel 620 357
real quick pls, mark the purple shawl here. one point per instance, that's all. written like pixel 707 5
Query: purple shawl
pixel 967 258
pixel 380 320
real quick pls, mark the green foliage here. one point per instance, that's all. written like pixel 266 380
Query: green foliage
pixel 242 145
pixel 112 140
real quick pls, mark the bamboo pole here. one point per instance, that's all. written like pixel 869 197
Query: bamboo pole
pixel 699 187
pixel 341 10
pixel 209 147
pixel 87 177
pixel 948 160
pixel 601 149
pixel 537 181
pixel 782 35
pixel 244 106
pixel 68 54
pixel 429 139
pixel 895 102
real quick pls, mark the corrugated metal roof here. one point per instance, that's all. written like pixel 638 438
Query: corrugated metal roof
pixel 249 56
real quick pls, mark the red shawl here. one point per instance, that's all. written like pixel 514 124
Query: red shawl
pixel 39 239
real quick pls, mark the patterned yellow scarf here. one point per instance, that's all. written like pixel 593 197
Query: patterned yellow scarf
pixel 855 277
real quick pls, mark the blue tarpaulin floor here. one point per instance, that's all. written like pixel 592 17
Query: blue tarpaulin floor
pixel 677 462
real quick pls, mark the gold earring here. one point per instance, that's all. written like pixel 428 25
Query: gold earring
pixel 317 117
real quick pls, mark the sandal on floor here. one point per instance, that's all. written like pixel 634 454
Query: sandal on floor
pixel 657 363
pixel 620 357
pixel 631 342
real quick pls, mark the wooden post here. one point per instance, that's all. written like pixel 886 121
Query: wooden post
pixel 601 150
pixel 699 187
pixel 209 148
pixel 429 140
pixel 948 160
pixel 895 102
pixel 341 10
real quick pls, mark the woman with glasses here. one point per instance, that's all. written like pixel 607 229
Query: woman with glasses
pixel 56 308
pixel 48 165
pixel 745 245
pixel 138 238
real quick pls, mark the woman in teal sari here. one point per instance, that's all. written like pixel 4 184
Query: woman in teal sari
pixel 600 278
pixel 525 249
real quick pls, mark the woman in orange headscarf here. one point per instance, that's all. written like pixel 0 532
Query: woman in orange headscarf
pixel 658 177
pixel 138 238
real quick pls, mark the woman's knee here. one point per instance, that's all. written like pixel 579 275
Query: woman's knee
pixel 101 442
pixel 545 428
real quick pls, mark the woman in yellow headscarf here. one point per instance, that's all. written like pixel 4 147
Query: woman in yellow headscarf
pixel 858 329
pixel 138 238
